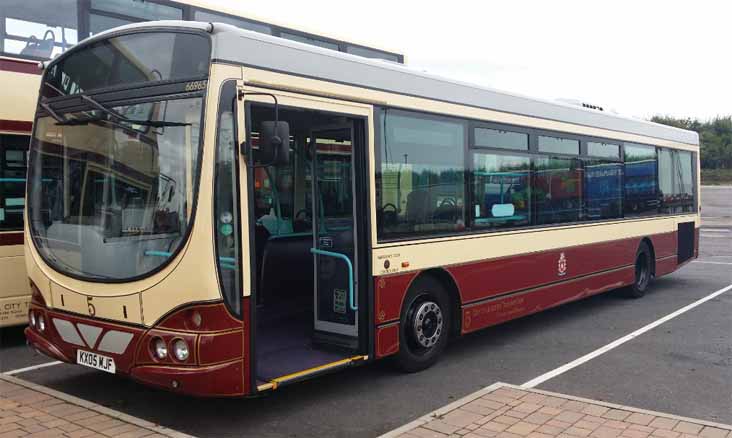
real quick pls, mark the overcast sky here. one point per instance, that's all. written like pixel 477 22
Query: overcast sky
pixel 638 57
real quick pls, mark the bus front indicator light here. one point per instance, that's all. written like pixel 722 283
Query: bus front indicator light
pixel 159 348
pixel 197 319
pixel 41 324
pixel 32 319
pixel 180 350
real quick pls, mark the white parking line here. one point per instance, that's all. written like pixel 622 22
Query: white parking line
pixel 711 263
pixel 618 342
pixel 34 367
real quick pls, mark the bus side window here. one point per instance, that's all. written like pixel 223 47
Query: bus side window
pixel 421 175
pixel 501 190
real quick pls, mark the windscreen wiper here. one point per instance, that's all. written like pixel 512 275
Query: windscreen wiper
pixel 53 113
pixel 118 116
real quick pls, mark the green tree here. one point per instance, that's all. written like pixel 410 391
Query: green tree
pixel 715 136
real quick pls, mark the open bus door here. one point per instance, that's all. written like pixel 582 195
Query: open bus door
pixel 309 240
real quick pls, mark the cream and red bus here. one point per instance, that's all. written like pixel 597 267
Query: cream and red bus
pixel 32 31
pixel 219 213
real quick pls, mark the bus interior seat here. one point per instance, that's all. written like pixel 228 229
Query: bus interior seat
pixel 418 206
pixel 286 274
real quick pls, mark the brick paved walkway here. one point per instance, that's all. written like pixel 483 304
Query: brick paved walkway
pixel 506 411
pixel 29 410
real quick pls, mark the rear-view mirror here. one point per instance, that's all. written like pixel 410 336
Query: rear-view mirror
pixel 274 143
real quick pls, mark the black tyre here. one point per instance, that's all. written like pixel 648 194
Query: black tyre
pixel 643 272
pixel 424 325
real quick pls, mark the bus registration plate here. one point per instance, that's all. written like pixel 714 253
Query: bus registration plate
pixel 96 361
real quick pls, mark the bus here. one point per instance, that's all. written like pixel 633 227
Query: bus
pixel 32 31
pixel 231 212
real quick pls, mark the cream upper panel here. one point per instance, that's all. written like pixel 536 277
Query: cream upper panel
pixel 19 95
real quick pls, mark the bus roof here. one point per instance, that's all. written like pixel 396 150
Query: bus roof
pixel 235 45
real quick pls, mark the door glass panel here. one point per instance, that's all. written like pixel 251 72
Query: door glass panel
pixel 333 197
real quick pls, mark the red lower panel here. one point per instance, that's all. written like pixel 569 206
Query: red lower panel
pixel 666 265
pixel 477 281
pixel 44 346
pixel 223 380
pixel 387 340
pixel 664 245
pixel 500 310
pixel 247 386
pixel 389 294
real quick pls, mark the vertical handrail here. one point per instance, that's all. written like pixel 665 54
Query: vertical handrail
pixel 351 297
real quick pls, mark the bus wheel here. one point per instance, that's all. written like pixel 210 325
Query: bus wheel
pixel 643 272
pixel 424 325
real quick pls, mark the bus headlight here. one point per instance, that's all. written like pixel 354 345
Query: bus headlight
pixel 32 319
pixel 159 348
pixel 41 323
pixel 180 350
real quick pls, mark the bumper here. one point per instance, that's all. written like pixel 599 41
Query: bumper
pixel 65 334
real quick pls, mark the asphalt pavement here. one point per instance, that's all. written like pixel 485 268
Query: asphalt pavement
pixel 683 367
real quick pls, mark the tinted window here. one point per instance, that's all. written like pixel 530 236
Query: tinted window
pixel 675 181
pixel 501 190
pixel 244 24
pixel 495 138
pixel 603 150
pixel 141 10
pixel 309 40
pixel 39 28
pixel 226 212
pixel 557 190
pixel 100 23
pixel 641 194
pixel 558 145
pixel 603 189
pixel 13 164
pixel 371 53
pixel 128 59
pixel 420 179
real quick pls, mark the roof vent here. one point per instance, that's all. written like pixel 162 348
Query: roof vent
pixel 582 104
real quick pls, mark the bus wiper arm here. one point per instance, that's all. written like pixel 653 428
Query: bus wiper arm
pixel 156 123
pixel 104 109
pixel 118 116
pixel 53 113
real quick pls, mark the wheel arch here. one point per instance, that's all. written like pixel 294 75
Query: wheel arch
pixel 450 286
pixel 649 243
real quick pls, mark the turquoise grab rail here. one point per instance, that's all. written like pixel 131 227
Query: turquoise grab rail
pixel 351 297
pixel 157 253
